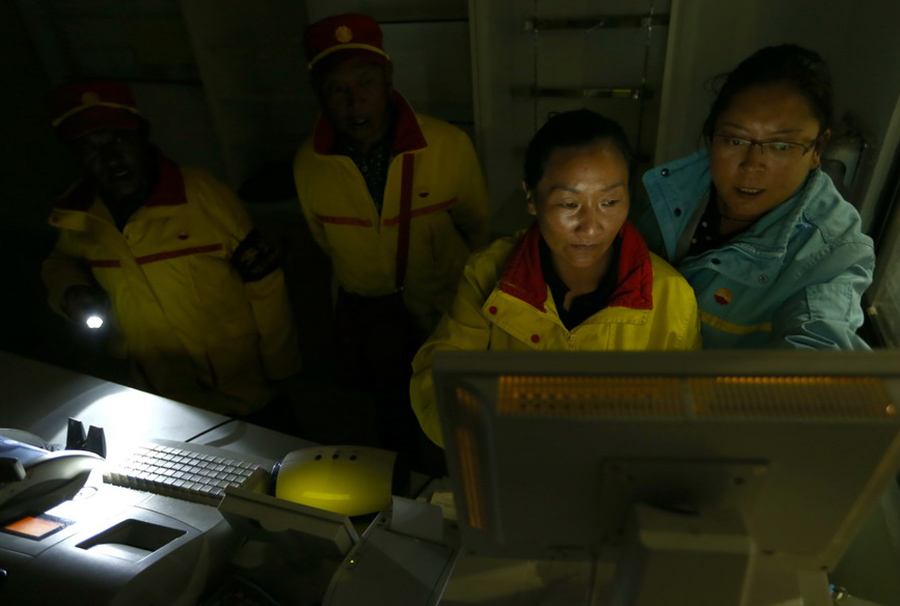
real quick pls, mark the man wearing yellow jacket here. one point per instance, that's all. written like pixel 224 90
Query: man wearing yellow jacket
pixel 194 295
pixel 397 200
pixel 368 153
pixel 579 279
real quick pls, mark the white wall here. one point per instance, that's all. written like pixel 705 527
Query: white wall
pixel 249 58
pixel 706 38
pixel 509 58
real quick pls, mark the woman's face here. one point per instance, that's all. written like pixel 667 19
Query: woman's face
pixel 750 180
pixel 581 203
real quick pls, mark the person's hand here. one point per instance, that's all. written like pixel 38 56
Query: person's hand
pixel 81 301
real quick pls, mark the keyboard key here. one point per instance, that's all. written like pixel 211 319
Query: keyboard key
pixel 183 473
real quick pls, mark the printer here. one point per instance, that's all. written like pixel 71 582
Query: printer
pixel 67 536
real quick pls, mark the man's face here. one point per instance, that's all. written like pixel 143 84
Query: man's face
pixel 355 96
pixel 117 161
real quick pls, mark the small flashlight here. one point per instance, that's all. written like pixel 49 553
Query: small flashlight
pixel 94 317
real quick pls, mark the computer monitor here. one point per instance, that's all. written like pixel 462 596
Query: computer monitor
pixel 781 454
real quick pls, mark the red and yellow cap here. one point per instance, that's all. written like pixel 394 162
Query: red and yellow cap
pixel 339 38
pixel 78 108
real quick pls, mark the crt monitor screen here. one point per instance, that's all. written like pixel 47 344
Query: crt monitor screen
pixel 547 452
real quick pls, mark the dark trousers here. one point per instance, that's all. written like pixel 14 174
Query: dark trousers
pixel 377 339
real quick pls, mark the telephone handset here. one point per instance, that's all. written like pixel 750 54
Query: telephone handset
pixel 34 479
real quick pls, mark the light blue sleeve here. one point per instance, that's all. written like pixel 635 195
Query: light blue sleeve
pixel 827 313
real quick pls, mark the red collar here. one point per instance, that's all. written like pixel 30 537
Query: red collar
pixel 407 132
pixel 169 189
pixel 522 277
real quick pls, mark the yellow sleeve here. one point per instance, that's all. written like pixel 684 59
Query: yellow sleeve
pixel 463 328
pixel 274 316
pixel 267 296
pixel 62 269
pixel 688 336
pixel 315 227
pixel 675 309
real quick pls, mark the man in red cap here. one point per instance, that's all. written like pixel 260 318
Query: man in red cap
pixel 192 294
pixel 396 199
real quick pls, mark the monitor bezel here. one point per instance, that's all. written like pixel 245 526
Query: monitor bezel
pixel 479 369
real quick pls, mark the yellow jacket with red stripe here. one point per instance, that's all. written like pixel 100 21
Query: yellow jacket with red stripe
pixel 504 304
pixel 197 332
pixel 449 215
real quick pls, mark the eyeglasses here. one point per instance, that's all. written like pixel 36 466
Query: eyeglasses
pixel 776 150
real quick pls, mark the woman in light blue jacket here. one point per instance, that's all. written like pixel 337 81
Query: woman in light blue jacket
pixel 774 253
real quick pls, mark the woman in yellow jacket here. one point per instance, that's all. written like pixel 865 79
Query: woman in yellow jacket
pixel 579 279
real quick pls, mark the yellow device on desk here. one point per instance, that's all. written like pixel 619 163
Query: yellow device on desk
pixel 350 480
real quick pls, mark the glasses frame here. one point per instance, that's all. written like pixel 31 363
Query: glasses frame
pixel 761 144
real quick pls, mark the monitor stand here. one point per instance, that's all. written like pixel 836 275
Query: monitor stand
pixel 677 559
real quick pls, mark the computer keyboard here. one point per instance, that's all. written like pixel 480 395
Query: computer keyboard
pixel 191 472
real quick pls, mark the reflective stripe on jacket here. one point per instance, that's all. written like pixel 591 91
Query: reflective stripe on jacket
pixel 449 211
pixel 795 278
pixel 504 304
pixel 198 333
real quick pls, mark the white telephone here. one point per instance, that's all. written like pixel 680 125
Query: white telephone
pixel 34 479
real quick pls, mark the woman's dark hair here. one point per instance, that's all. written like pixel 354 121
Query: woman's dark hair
pixel 576 128
pixel 801 68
